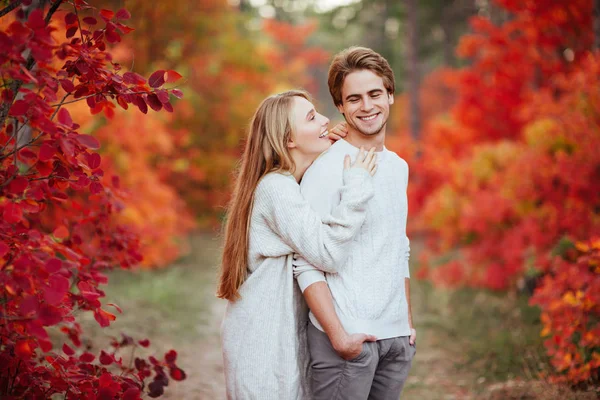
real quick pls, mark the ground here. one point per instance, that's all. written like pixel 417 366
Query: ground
pixel 471 345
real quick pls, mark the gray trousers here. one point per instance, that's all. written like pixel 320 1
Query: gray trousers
pixel 378 373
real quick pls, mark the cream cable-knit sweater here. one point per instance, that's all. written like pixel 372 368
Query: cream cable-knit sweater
pixel 369 291
pixel 264 332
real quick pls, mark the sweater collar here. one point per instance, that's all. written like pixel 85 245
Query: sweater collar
pixel 354 150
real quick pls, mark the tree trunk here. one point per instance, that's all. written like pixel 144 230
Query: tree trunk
pixel 413 68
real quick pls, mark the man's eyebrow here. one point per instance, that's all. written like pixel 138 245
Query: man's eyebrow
pixel 311 111
pixel 378 90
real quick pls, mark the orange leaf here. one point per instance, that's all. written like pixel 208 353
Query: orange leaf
pixel 61 232
pixel 172 76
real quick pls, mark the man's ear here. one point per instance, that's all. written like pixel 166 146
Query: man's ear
pixel 391 98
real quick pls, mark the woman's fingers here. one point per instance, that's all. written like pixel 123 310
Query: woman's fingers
pixel 370 155
pixel 339 130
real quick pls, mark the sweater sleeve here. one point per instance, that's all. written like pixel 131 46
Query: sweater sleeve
pixel 322 242
pixel 407 240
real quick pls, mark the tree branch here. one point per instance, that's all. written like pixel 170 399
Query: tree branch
pixel 15 86
pixel 10 7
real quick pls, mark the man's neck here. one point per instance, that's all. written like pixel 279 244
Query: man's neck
pixel 358 139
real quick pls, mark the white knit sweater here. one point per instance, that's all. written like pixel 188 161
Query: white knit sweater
pixel 263 333
pixel 369 291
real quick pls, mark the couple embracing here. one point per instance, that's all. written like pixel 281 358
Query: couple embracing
pixel 315 259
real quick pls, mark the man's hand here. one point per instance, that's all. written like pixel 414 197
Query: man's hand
pixel 339 131
pixel 413 337
pixel 350 346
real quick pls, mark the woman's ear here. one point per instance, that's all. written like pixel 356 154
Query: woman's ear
pixel 291 144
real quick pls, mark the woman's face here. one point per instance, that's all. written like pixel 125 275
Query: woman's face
pixel 310 136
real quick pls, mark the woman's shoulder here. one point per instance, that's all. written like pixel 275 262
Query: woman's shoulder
pixel 276 184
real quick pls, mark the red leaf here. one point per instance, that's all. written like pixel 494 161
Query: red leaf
pixel 12 213
pixel 23 349
pixel 103 317
pixel 67 147
pixel 88 141
pixel 133 79
pixel 116 306
pixel 123 14
pixel 154 102
pixel 68 350
pixel 47 151
pixel 70 18
pixel 27 155
pixel 168 107
pixel 29 305
pixel 90 20
pixel 144 342
pixel 44 168
pixel 157 79
pixel 132 394
pixel 60 284
pixel 36 329
pixel 177 374
pixel 4 249
pixel 64 117
pixel 162 95
pixel 112 36
pixel 36 20
pixel 93 160
pixel 105 358
pixel 19 108
pixel 96 187
pixel 107 14
pixel 177 93
pixel 61 232
pixel 49 315
pixel 18 185
pixel 139 101
pixel 87 357
pixel 122 103
pixel 67 85
pixel 173 76
pixel 171 356
pixel 53 265
pixel 71 32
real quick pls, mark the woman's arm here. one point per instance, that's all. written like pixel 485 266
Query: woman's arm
pixel 323 242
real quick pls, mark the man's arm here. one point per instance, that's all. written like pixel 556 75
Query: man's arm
pixel 413 332
pixel 320 187
pixel 320 302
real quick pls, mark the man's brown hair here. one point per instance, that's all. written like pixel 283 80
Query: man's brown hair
pixel 356 59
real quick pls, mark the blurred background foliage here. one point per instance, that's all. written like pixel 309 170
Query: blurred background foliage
pixel 497 113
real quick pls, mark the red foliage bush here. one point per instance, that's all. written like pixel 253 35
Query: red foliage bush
pixel 58 232
pixel 569 296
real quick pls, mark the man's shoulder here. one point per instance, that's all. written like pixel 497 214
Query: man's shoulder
pixel 328 167
pixel 397 161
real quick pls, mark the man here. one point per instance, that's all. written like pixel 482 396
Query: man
pixel 360 336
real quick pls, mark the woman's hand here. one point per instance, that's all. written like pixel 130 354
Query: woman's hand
pixel 339 131
pixel 368 161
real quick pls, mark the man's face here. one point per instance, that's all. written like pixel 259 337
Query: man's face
pixel 365 102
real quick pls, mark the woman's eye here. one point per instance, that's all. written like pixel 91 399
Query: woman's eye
pixel 312 117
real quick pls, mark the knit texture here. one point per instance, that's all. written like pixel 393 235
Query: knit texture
pixel 264 332
pixel 369 291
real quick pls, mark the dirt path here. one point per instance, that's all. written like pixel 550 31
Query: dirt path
pixel 202 361
pixel 176 308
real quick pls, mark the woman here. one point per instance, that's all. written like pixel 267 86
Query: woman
pixel 263 332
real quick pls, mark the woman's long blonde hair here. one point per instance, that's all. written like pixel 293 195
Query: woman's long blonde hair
pixel 266 151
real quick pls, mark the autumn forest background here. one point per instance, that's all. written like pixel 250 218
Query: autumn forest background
pixel 121 123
